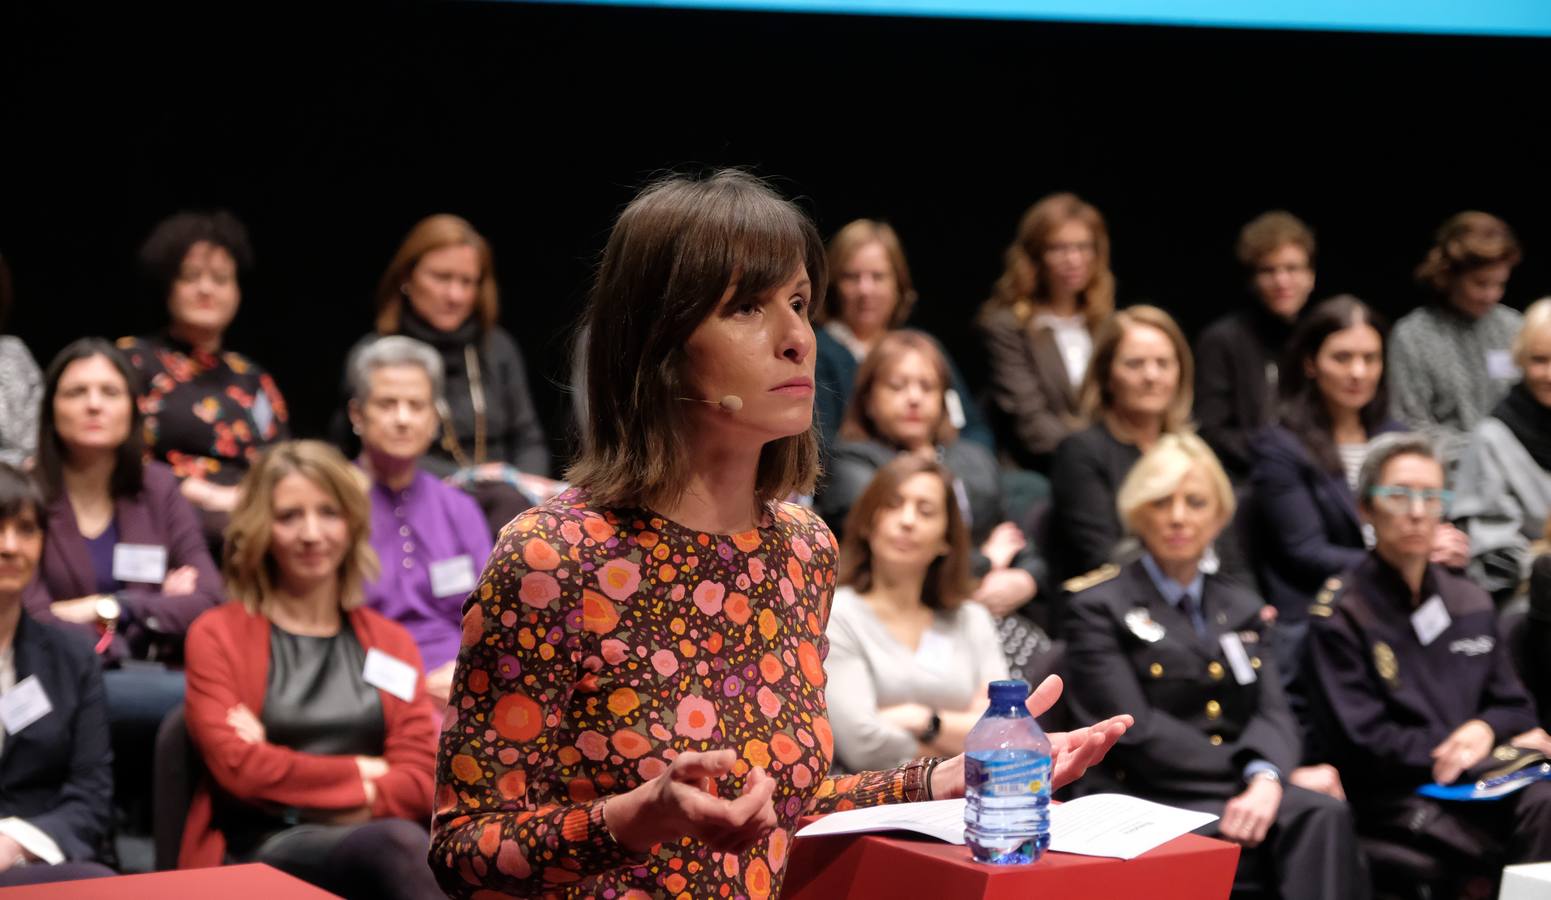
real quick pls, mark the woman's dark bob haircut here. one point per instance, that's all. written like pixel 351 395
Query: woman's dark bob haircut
pixel 129 460
pixel 18 494
pixel 672 255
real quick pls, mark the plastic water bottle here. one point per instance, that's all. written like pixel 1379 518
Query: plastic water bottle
pixel 1007 781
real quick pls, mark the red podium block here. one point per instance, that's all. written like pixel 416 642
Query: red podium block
pixel 898 864
pixel 248 882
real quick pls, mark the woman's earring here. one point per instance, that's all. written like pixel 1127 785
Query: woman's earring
pixel 1210 561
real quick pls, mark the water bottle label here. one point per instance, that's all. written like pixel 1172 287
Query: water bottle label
pixel 1012 777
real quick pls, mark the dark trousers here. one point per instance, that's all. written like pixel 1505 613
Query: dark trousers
pixel 1509 830
pixel 1310 852
pixel 384 859
pixel 42 874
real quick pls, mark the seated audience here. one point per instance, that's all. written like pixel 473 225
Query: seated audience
pixel 1237 356
pixel 1451 361
pixel 20 386
pixel 870 294
pixel 125 564
pixel 1306 523
pixel 209 411
pixel 1040 323
pixel 1182 650
pixel 431 538
pixel 1503 486
pixel 899 406
pixel 1411 686
pixel 909 658
pixel 56 775
pixel 1529 646
pixel 1137 389
pixel 309 711
pixel 440 288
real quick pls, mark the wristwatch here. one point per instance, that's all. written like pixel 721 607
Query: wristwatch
pixel 1265 775
pixel 108 612
pixel 933 729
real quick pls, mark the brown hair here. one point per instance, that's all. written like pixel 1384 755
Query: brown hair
pixel 846 243
pixel 249 569
pixel 1468 240
pixel 947 579
pixel 857 425
pixel 1271 231
pixel 670 258
pixel 434 233
pixel 1022 286
pixel 1096 397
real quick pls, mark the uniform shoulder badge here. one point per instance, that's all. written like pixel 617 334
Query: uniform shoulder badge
pixel 1091 579
pixel 1386 664
pixel 1323 601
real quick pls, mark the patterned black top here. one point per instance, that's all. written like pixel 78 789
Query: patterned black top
pixel 206 414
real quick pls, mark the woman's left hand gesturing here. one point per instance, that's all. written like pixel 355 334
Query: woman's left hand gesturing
pixel 1071 752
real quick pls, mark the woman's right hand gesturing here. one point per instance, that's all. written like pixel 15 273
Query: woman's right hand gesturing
pixel 680 802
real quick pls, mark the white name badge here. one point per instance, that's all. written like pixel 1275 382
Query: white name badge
pixel 1430 620
pixel 935 651
pixel 955 407
pixel 142 563
pixel 24 704
pixel 1499 365
pixel 263 413
pixel 392 675
pixel 453 577
pixel 1238 659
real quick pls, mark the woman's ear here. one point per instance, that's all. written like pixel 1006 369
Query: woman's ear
pixel 354 411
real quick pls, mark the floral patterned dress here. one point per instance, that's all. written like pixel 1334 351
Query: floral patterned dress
pixel 601 644
pixel 206 414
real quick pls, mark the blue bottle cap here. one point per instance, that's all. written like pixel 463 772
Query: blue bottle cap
pixel 1009 692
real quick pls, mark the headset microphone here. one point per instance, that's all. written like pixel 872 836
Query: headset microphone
pixel 729 403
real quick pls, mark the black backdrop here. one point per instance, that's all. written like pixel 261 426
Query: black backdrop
pixel 330 136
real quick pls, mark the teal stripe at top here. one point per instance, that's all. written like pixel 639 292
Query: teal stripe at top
pixel 1522 18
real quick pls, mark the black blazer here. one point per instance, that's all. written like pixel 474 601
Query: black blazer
pixel 1084 528
pixel 1305 524
pixel 1196 726
pixel 1234 395
pixel 57 773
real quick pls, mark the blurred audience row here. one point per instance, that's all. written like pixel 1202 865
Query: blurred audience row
pixel 1067 506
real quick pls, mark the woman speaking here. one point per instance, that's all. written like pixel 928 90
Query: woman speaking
pixel 638 706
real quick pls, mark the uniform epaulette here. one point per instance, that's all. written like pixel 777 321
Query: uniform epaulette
pixel 1091 579
pixel 1324 600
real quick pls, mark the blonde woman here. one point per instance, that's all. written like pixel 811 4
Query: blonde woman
pixel 1184 651
pixel 308 709
pixel 1502 492
pixel 1138 387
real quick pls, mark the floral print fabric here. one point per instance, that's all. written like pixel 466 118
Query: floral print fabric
pixel 206 415
pixel 597 647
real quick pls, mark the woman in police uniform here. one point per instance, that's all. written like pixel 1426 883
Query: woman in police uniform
pixel 1181 650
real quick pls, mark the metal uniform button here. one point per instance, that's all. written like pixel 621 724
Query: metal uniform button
pixel 1215 740
pixel 1155 670
pixel 1214 669
pixel 1254 662
pixel 1213 709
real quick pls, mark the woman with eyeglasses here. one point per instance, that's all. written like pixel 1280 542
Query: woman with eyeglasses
pixel 1306 522
pixel 1040 323
pixel 1410 685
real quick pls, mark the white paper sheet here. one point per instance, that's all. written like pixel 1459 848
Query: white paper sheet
pixel 1111 825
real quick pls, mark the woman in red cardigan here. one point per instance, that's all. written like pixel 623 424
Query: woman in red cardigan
pixel 309 710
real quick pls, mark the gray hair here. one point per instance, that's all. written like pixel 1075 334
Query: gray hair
pixel 1386 447
pixel 394 350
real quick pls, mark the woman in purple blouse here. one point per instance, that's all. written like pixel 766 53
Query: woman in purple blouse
pixel 431 538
